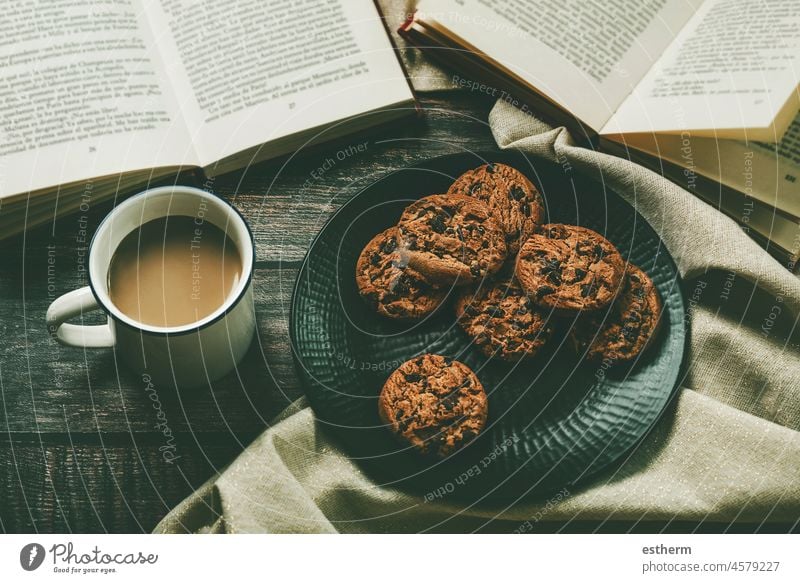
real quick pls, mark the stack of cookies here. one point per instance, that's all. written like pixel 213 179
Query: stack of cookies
pixel 445 240
pixel 518 279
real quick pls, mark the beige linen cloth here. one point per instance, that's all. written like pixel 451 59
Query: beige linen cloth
pixel 728 451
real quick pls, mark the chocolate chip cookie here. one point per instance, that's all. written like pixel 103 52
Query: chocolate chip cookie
pixel 452 239
pixel 387 283
pixel 629 324
pixel 434 403
pixel 513 199
pixel 569 268
pixel 503 321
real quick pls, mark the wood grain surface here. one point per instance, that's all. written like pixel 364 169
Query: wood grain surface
pixel 81 448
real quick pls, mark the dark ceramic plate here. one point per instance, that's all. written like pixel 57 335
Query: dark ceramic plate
pixel 553 420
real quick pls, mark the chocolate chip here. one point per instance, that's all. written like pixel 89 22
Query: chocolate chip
pixel 459 233
pixel 484 244
pixel 630 333
pixel 586 289
pixel 481 230
pixel 517 193
pixel 634 277
pixel 437 223
pixel 517 325
pixel 402 285
pixel 471 310
pixel 494 311
pixel 526 210
pixel 598 250
pixel 375 259
pixel 389 245
pixel 490 169
pixel 544 290
pixel 475 269
pixel 552 269
pixel 450 401
pixel 580 273
pixel 397 415
pixel 413 377
pixel 633 317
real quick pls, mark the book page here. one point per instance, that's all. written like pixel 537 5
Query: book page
pixel 252 71
pixel 81 95
pixel 585 56
pixel 767 172
pixel 787 151
pixel 731 72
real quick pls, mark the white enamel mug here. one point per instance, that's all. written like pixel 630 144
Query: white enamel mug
pixel 185 355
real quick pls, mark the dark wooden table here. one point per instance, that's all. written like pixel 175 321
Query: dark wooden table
pixel 81 449
pixel 82 440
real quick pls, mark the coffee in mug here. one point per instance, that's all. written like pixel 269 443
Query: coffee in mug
pixel 173 271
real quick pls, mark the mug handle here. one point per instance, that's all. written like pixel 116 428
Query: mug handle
pixel 74 304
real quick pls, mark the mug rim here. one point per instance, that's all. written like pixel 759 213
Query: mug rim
pixel 233 299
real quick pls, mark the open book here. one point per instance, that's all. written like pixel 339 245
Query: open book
pixel 709 88
pixel 98 98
